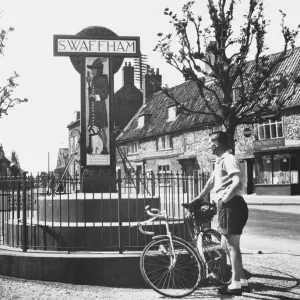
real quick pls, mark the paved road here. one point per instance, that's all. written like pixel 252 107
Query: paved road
pixel 272 229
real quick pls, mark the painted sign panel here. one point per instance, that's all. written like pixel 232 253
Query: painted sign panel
pixel 70 45
pixel 97 111
pixel 269 143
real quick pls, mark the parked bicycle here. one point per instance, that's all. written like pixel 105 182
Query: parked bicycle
pixel 175 268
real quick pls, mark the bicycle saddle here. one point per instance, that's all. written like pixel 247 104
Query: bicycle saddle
pixel 191 205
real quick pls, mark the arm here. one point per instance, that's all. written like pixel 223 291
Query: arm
pixel 207 188
pixel 236 184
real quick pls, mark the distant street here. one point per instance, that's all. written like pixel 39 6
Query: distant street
pixel 272 229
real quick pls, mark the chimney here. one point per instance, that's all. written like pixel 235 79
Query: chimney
pixel 152 83
pixel 128 74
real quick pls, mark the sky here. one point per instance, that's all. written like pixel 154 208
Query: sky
pixel 52 85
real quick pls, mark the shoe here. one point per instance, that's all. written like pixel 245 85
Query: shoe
pixel 246 289
pixel 224 290
pixel 104 151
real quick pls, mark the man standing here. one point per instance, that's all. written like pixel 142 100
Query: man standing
pixel 232 208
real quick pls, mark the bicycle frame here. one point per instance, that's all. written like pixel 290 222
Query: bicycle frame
pixel 205 247
pixel 160 215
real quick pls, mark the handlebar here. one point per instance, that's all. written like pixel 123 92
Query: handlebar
pixel 151 212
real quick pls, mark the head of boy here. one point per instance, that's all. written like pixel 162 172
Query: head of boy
pixel 218 142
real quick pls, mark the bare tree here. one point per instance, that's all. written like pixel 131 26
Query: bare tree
pixel 7 100
pixel 232 90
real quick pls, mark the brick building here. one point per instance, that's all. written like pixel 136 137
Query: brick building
pixel 160 140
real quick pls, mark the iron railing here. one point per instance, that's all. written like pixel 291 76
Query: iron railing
pixel 46 213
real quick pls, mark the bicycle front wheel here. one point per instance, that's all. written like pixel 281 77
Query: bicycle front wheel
pixel 218 263
pixel 171 278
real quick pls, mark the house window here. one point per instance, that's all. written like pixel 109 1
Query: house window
pixel 141 121
pixel 270 130
pixel 172 114
pixel 164 142
pixel 129 177
pixel 236 94
pixel 134 147
pixel 164 174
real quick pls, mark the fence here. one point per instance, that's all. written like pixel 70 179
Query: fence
pixel 45 213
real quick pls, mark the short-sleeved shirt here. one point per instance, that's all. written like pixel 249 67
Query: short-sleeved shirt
pixel 225 166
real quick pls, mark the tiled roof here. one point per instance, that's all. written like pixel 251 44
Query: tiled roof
pixel 188 93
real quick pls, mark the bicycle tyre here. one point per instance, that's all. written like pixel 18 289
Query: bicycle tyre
pixel 217 261
pixel 178 281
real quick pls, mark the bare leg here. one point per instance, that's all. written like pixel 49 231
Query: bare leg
pixel 233 245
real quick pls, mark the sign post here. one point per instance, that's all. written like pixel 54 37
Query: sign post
pixel 97 67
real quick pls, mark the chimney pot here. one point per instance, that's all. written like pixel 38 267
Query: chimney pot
pixel 149 86
pixel 128 74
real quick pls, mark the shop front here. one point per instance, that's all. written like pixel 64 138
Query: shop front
pixel 277 167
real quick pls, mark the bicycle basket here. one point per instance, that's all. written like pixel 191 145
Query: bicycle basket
pixel 203 216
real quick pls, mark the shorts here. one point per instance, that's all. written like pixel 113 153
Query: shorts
pixel 232 216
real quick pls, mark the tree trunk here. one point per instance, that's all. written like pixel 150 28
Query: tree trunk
pixel 231 141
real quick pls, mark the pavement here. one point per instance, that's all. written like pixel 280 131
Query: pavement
pixel 254 199
pixel 272 274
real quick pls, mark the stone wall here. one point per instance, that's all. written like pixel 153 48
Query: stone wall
pixel 291 125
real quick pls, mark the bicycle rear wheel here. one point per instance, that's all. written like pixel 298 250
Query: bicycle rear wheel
pixel 177 280
pixel 219 266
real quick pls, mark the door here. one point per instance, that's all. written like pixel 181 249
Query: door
pixel 250 175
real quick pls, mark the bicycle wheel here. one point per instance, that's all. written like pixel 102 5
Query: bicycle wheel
pixel 173 280
pixel 218 263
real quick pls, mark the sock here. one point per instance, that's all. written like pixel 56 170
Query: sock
pixel 244 282
pixel 234 285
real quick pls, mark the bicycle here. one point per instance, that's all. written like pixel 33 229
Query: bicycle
pixel 175 268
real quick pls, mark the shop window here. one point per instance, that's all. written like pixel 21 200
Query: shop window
pixel 294 168
pixel 270 130
pixel 277 169
pixel 281 170
pixel 264 169
pixel 164 142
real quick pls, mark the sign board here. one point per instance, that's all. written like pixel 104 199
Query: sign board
pixel 247 132
pixel 271 143
pixel 66 45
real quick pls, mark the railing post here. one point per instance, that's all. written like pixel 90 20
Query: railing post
pixel 153 183
pixel 196 183
pixel 119 181
pixel 24 213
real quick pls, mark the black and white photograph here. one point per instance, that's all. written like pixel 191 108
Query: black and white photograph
pixel 149 149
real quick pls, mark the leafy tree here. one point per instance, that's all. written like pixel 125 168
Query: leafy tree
pixel 216 59
pixel 7 100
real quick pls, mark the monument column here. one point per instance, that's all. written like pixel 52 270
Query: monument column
pixel 97 54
